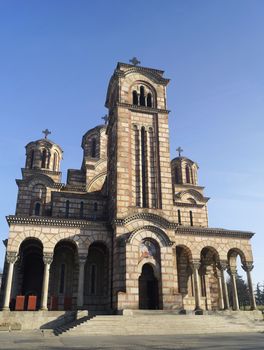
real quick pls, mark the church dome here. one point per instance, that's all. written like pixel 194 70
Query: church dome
pixel 184 171
pixel 94 143
pixel 43 154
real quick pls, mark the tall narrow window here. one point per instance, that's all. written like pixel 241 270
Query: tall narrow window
pixel 192 177
pixel 93 279
pixel 143 168
pixel 55 160
pixel 37 209
pixel 135 98
pixel 31 159
pixel 67 209
pixel 191 218
pixel 48 160
pixel 43 159
pixel 177 178
pixel 142 101
pixel 81 210
pixel 179 217
pixel 137 166
pixel 149 100
pixel 93 148
pixel 62 279
pixel 188 180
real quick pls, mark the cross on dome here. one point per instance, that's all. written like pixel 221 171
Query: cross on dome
pixel 46 132
pixel 105 118
pixel 179 150
pixel 134 61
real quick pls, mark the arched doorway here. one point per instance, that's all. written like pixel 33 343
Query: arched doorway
pixel 30 269
pixel 148 289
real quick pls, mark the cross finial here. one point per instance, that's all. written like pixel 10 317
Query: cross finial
pixel 105 118
pixel 46 132
pixel 179 150
pixel 134 61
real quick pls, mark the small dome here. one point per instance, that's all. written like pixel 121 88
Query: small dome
pixel 43 154
pixel 94 142
pixel 184 171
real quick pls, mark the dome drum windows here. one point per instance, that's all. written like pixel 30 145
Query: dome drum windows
pixel 142 96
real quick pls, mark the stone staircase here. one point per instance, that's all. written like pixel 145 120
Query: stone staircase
pixel 163 323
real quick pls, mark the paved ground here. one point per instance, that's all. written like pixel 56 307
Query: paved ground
pixel 35 341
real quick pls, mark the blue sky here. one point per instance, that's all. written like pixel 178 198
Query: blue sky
pixel 56 58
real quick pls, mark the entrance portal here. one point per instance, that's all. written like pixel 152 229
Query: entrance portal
pixel 148 289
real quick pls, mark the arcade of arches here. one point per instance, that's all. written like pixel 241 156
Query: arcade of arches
pixel 68 280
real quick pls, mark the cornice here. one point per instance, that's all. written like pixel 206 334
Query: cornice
pixel 127 65
pixel 46 221
pixel 143 109
pixel 207 231
pixel 188 205
pixel 73 188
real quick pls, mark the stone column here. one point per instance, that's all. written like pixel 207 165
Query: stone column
pixel 82 261
pixel 197 287
pixel 222 267
pixel 220 290
pixel 233 272
pixel 248 267
pixel 47 258
pixel 11 258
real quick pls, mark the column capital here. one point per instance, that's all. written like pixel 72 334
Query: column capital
pixel 248 266
pixel 222 265
pixel 11 257
pixel 47 258
pixel 82 258
pixel 196 264
pixel 232 270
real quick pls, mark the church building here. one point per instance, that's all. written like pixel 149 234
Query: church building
pixel 129 228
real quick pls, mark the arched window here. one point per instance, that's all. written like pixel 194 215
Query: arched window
pixel 81 210
pixel 62 278
pixel 143 167
pixel 177 178
pixel 55 162
pixel 93 279
pixel 149 100
pixel 179 217
pixel 67 209
pixel 95 206
pixel 31 159
pixel 135 98
pixel 191 218
pixel 142 101
pixel 188 179
pixel 37 209
pixel 93 148
pixel 43 158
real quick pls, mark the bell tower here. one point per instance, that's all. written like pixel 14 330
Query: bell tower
pixel 139 170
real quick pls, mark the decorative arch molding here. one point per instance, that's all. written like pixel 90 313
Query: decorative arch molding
pixel 39 179
pixel 154 264
pixel 151 75
pixel 98 178
pixel 232 255
pixel 152 218
pixel 143 232
pixel 195 194
pixel 187 249
pixel 101 164
pixel 15 243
